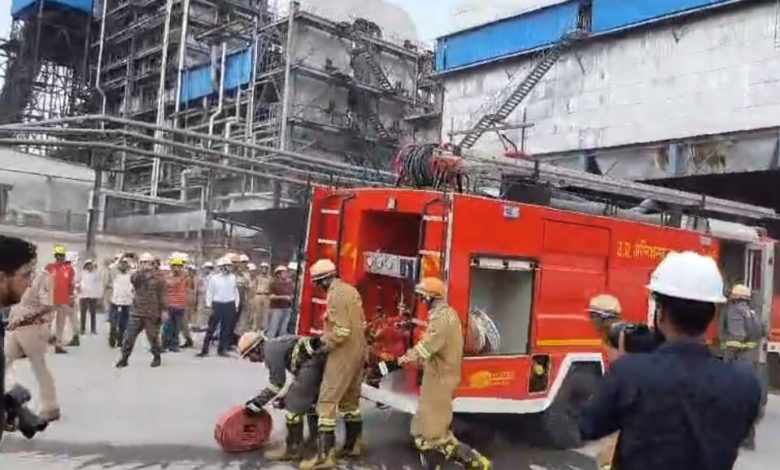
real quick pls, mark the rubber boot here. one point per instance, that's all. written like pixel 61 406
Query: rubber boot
pixel 353 441
pixel 326 454
pixel 310 442
pixel 75 341
pixel 293 449
pixel 122 362
pixel 156 362
pixel 470 458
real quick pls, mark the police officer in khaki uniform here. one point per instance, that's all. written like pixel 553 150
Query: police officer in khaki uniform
pixel 344 341
pixel 441 353
pixel 604 311
pixel 261 287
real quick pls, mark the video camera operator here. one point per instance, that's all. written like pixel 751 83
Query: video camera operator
pixel 678 407
pixel 17 265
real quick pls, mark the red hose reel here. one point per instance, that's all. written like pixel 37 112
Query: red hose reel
pixel 237 432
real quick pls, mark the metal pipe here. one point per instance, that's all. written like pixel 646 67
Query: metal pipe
pixel 185 23
pixel 221 95
pixel 184 174
pixel 100 56
pixel 272 151
pixel 153 155
pixel 161 95
pixel 294 7
pixel 183 146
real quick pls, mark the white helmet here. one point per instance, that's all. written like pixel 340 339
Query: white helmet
pixel 165 267
pixel 208 264
pixel 252 267
pixel 243 259
pixel 225 261
pixel 690 276
pixel 146 258
pixel 265 264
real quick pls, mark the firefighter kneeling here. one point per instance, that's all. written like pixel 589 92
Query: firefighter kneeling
pixel 441 352
pixel 304 359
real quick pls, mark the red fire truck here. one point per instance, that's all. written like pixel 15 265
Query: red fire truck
pixel 530 268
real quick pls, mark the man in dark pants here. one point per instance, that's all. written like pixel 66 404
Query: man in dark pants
pixel 17 265
pixel 679 407
pixel 146 315
pixel 302 358
pixel 223 300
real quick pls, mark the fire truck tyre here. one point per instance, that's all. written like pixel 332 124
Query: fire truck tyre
pixel 559 424
pixel 773 371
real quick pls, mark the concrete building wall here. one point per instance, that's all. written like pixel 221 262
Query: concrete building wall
pixel 706 74
pixel 45 189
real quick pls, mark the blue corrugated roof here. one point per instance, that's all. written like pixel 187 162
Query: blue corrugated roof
pixel 617 14
pixel 506 37
pixel 23 8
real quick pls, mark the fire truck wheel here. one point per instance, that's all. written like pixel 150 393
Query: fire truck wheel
pixel 560 422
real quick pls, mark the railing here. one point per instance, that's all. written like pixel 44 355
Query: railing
pixel 67 220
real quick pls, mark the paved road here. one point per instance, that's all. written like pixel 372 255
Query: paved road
pixel 149 419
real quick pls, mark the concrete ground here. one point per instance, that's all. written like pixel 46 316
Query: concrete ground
pixel 148 419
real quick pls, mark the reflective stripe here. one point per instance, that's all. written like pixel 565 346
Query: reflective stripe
pixel 422 351
pixel 274 388
pixel 293 417
pixel 341 331
pixel 254 408
pixel 353 416
pixel 307 345
pixel 740 345
pixel 326 423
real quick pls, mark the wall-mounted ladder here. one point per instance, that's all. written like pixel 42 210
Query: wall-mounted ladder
pixel 376 69
pixel 549 58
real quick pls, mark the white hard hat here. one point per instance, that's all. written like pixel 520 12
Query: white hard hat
pixel 165 267
pixel 146 258
pixel 280 268
pixel 265 264
pixel 208 264
pixel 690 276
pixel 292 266
pixel 243 259
pixel 224 262
pixel 252 266
pixel 740 292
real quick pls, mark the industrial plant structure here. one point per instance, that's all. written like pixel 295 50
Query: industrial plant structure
pixel 164 97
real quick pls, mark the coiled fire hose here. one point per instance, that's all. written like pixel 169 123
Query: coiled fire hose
pixel 237 432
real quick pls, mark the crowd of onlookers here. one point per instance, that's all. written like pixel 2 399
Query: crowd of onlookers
pixel 169 299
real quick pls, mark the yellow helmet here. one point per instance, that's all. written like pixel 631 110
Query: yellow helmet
pixel 176 261
pixel 740 292
pixel 249 341
pixel 431 287
pixel 60 250
pixel 322 269
pixel 605 305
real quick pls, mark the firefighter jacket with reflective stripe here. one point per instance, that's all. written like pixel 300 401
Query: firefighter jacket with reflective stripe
pixel 742 327
pixel 345 322
pixel 282 354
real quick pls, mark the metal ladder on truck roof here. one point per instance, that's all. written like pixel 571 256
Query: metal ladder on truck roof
pixel 549 59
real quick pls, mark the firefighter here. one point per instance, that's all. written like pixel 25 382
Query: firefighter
pixel 344 340
pixel 605 310
pixel 146 314
pixel 441 353
pixel 302 358
pixel 743 331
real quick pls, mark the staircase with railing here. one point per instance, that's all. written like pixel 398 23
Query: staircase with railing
pixel 519 93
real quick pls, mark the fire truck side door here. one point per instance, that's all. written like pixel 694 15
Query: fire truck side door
pixel 759 259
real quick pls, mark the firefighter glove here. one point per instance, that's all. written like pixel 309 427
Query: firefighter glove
pixel 255 406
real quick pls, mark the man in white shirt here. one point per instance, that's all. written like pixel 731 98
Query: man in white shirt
pixel 90 291
pixel 121 301
pixel 223 300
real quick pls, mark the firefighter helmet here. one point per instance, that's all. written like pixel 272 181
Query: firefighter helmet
pixel 322 269
pixel 60 250
pixel 690 276
pixel 249 341
pixel 605 305
pixel 431 287
pixel 146 258
pixel 740 292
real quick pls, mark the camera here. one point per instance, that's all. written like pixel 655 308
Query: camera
pixel 638 337
pixel 18 417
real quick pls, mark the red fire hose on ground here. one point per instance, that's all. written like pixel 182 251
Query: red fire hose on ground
pixel 237 432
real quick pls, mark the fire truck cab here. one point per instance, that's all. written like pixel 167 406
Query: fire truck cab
pixel 531 269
